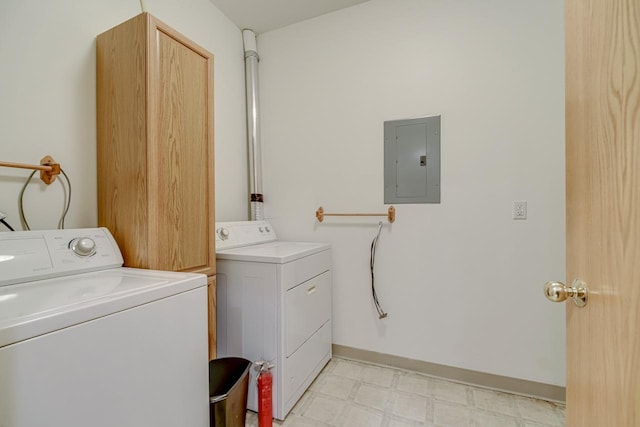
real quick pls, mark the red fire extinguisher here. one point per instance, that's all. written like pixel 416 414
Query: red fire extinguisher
pixel 265 400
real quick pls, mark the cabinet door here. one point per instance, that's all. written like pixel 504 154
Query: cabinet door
pixel 180 146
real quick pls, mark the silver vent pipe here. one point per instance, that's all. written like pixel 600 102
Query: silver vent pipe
pixel 251 60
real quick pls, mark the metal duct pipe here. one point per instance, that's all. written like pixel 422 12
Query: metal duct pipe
pixel 251 60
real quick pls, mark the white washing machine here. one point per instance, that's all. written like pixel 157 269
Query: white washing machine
pixel 86 342
pixel 274 305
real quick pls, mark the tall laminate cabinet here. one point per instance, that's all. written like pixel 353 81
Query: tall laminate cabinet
pixel 155 149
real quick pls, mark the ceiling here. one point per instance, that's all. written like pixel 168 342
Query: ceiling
pixel 266 15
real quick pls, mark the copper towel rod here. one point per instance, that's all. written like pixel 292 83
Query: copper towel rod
pixel 48 168
pixel 391 214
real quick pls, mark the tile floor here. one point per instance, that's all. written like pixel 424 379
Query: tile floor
pixel 356 394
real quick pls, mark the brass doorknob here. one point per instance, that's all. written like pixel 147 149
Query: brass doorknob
pixel 558 292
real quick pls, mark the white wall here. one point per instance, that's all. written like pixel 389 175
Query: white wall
pixel 48 103
pixel 461 281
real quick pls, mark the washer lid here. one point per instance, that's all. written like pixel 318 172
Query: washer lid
pixel 278 252
pixel 36 308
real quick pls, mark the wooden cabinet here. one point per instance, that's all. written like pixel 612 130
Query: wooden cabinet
pixel 155 146
pixel 211 292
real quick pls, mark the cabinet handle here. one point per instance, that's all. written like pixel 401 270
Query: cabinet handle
pixel 311 290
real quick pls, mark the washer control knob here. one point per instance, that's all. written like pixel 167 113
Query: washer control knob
pixel 223 233
pixel 261 229
pixel 267 229
pixel 83 246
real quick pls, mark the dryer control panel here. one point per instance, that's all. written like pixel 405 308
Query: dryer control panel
pixel 237 234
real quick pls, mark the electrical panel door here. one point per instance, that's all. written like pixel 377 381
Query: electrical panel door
pixel 412 160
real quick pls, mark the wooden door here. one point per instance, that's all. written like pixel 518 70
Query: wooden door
pixel 603 211
pixel 180 136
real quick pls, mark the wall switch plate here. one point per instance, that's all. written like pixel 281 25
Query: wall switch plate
pixel 520 209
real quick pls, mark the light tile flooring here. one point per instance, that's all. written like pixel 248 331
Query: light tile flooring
pixel 355 394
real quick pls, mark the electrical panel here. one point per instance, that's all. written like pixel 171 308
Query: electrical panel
pixel 412 160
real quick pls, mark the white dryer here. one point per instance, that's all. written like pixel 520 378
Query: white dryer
pixel 274 305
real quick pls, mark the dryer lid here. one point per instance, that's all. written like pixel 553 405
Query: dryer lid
pixel 278 252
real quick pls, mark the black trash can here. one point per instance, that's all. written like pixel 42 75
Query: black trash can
pixel 228 387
